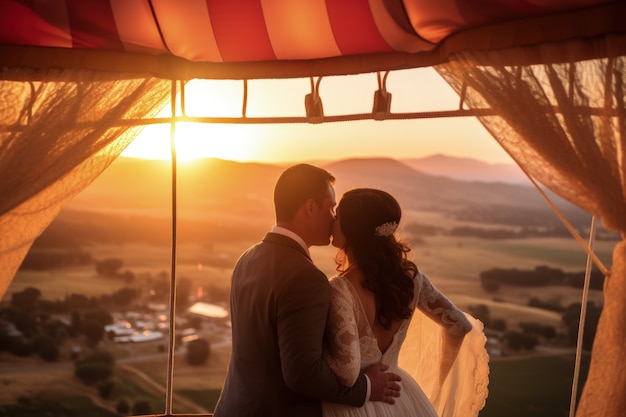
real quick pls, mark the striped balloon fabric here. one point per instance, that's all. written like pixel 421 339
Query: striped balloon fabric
pixel 217 31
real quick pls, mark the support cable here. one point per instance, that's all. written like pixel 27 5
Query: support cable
pixel 605 271
pixel 244 106
pixel 463 94
pixel 581 321
pixel 169 389
pixel 183 83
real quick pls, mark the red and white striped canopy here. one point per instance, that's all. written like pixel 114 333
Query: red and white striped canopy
pixel 295 34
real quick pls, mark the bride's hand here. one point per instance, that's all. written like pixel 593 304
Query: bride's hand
pixel 384 385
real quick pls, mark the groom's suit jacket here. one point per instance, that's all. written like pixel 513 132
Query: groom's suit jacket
pixel 279 306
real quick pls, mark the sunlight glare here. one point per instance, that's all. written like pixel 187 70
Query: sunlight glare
pixel 201 140
pixel 196 140
pixel 412 90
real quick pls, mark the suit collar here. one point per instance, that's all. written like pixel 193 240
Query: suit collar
pixel 293 235
pixel 282 239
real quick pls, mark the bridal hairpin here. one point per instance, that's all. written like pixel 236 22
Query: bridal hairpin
pixel 386 229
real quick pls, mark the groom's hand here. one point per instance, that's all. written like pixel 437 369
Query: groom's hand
pixel 383 384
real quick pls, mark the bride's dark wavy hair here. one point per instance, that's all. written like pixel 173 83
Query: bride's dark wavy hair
pixel 383 260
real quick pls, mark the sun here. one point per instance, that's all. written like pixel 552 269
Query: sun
pixel 238 142
pixel 196 140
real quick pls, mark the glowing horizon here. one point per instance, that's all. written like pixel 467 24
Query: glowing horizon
pixel 412 91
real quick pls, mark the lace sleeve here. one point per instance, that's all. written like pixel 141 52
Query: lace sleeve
pixel 452 371
pixel 342 355
pixel 436 306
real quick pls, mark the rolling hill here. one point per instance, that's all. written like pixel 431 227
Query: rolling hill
pixel 219 191
pixel 467 169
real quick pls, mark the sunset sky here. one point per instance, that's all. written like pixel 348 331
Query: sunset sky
pixel 412 91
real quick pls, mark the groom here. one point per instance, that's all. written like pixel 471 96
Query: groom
pixel 279 305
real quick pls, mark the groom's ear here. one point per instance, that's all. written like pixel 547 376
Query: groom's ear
pixel 310 206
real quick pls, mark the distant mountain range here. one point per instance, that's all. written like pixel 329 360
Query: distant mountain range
pixel 234 188
pixel 467 169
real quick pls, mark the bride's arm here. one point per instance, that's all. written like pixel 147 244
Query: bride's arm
pixel 343 354
pixel 436 306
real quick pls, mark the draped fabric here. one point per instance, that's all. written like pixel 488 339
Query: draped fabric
pixel 60 128
pixel 250 39
pixel 257 30
pixel 59 131
pixel 563 120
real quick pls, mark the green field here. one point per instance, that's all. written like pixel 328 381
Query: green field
pixel 536 387
pixel 559 252
pixel 522 386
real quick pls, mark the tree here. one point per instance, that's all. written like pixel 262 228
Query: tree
pixel 101 316
pixel 498 324
pixel 94 367
pixel 141 407
pixel 109 267
pixel 5 339
pixel 531 327
pixel 124 296
pixel 552 306
pixel 198 352
pixel 549 332
pixel 122 407
pixel 78 302
pixel 75 323
pixel 481 312
pixel 19 346
pixel 93 331
pixel 9 313
pixel 489 284
pixel 518 340
pixel 105 388
pixel 26 322
pixel 26 299
pixel 128 276
pixel 571 317
pixel 46 347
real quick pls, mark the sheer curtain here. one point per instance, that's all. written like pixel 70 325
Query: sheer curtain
pixel 59 129
pixel 561 115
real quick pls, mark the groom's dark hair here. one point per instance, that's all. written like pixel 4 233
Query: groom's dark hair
pixel 296 185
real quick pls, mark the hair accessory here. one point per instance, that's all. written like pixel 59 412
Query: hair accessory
pixel 386 229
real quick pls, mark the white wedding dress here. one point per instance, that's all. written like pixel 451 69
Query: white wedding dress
pixel 415 354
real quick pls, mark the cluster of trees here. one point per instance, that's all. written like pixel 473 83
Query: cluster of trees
pixel 73 228
pixel 97 369
pixel 529 334
pixel 43 335
pixel 571 319
pixel 425 230
pixel 492 279
pixel 43 260
pixel 502 233
pixel 536 219
pixel 39 332
pixel 516 226
pixel 54 407
pixel 112 268
pixel 526 337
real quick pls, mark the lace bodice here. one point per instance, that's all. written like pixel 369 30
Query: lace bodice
pixel 352 343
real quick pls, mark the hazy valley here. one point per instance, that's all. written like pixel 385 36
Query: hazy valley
pixel 461 217
pixel 224 206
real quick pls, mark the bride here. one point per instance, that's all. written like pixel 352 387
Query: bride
pixel 383 309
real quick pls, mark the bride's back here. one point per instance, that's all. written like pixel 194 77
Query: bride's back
pixel 384 336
